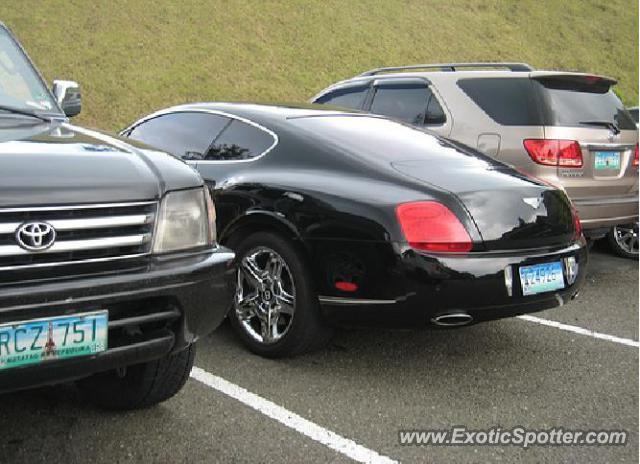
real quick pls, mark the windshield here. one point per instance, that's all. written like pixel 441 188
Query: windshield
pixel 20 85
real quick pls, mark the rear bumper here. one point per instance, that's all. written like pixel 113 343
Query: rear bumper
pixel 153 312
pixel 604 213
pixel 423 287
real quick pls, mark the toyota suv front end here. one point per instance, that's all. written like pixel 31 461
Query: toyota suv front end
pixel 109 266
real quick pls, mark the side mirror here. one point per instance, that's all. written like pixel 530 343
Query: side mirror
pixel 68 96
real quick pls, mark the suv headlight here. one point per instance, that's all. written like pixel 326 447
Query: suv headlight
pixel 187 219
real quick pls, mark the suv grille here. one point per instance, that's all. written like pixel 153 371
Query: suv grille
pixel 84 234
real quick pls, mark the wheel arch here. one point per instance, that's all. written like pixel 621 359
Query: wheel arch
pixel 258 221
pixel 319 252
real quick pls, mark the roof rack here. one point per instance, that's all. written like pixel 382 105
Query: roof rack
pixel 451 67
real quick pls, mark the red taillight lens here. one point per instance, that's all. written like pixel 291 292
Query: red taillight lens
pixel 431 226
pixel 565 153
pixel 635 156
pixel 576 223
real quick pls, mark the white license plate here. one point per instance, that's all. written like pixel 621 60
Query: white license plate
pixel 540 278
pixel 63 337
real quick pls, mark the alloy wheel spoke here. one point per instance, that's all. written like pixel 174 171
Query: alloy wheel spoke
pixel 246 306
pixel 273 324
pixel 252 271
pixel 285 308
pixel 269 327
pixel 274 267
pixel 626 241
pixel 626 236
pixel 264 331
pixel 284 297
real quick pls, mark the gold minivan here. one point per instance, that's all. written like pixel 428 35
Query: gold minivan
pixel 569 129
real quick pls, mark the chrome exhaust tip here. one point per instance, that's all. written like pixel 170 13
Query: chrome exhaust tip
pixel 452 319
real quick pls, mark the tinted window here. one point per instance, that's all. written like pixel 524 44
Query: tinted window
pixel 185 135
pixel 572 102
pixel 634 114
pixel 240 141
pixel 508 101
pixel 381 141
pixel 406 102
pixel 352 97
pixel 435 114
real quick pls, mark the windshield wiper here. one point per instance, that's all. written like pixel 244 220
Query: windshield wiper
pixel 608 124
pixel 25 112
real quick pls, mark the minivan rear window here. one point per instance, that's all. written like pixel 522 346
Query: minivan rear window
pixel 579 104
pixel 507 100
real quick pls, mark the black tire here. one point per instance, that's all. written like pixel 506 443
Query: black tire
pixel 620 250
pixel 308 331
pixel 142 385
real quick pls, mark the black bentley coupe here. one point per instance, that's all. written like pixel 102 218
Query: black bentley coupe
pixel 343 218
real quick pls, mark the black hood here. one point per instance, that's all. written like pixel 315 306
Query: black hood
pixel 57 164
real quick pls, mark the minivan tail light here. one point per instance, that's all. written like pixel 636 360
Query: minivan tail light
pixel 635 156
pixel 431 226
pixel 551 152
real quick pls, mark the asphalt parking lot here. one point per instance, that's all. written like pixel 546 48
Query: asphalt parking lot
pixel 365 387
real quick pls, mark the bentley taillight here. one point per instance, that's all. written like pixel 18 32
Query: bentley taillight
pixel 431 226
pixel 576 223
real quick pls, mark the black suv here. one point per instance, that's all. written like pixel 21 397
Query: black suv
pixel 109 268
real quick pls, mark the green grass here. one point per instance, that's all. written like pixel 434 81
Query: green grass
pixel 135 56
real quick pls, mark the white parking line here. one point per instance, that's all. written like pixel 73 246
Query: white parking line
pixel 581 331
pixel 290 419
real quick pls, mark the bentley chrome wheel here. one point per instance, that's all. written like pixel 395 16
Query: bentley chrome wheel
pixel 265 295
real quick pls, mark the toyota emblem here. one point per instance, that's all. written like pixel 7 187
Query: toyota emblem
pixel 35 236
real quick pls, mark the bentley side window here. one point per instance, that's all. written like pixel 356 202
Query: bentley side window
pixel 186 135
pixel 239 141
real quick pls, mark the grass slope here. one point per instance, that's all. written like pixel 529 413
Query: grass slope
pixel 135 56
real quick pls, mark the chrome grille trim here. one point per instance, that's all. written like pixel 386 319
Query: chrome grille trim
pixel 67 208
pixel 96 234
pixel 83 224
pixel 79 245
pixel 69 263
